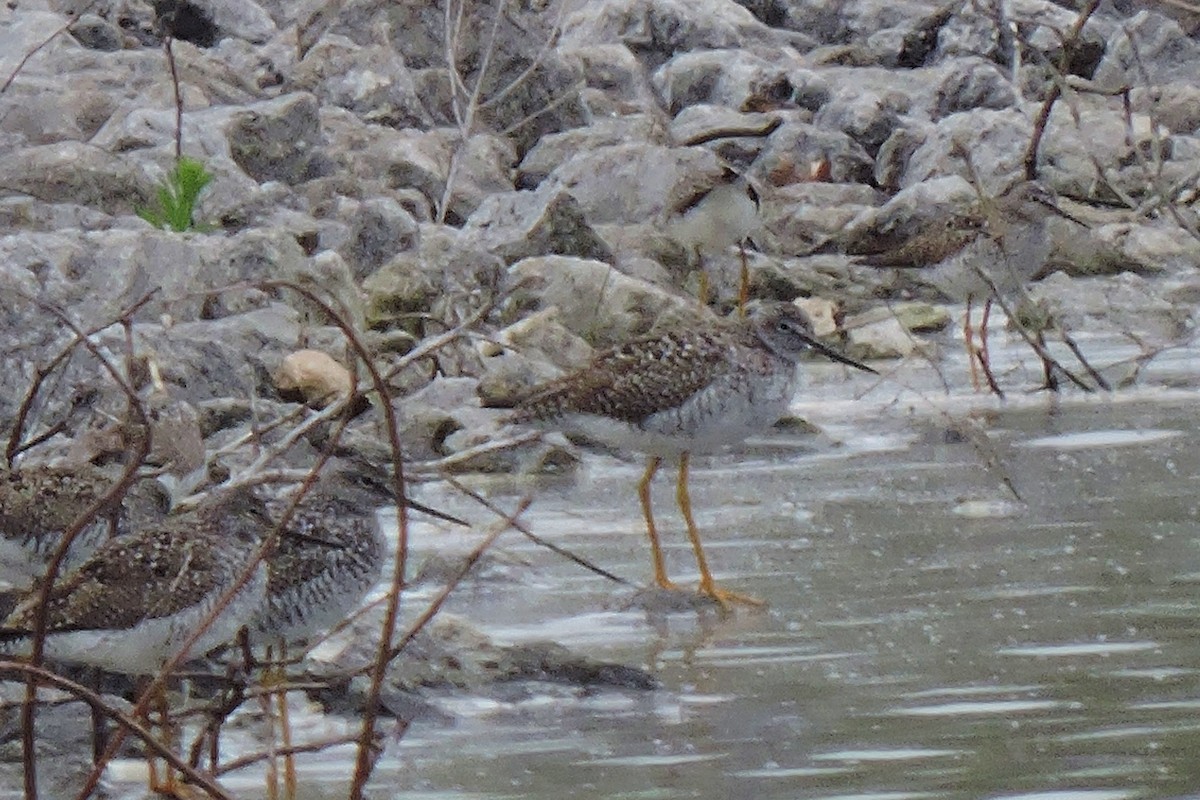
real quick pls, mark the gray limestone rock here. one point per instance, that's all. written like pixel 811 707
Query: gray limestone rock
pixel 77 173
pixel 520 225
pixel 275 140
pixel 372 82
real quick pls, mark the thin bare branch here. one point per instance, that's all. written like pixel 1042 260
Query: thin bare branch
pixel 86 517
pixel 66 26
pixel 1183 5
pixel 1070 42
pixel 126 722
pixel 564 96
pixel 439 465
pixel 508 521
pixel 251 759
pixel 255 473
pixel 14 446
pixel 365 759
pixel 533 537
pixel 170 54
pixel 437 342
pixel 1031 340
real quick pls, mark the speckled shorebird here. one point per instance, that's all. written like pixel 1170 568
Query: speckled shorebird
pixel 135 602
pixel 715 217
pixel 329 556
pixel 39 502
pixel 989 250
pixel 681 391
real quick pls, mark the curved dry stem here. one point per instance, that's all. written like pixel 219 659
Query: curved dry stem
pixel 1043 117
pixel 85 518
pixel 453 28
pixel 538 540
pixel 365 758
pixel 564 96
pixel 127 722
pixel 264 551
pixel 15 447
pixel 66 26
pixel 256 473
pixel 431 611
pixel 1031 340
pixel 425 348
pixel 170 54
pixel 251 759
pixel 439 465
pixel 465 117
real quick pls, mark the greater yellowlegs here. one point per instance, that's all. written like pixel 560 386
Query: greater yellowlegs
pixel 331 552
pixel 328 558
pixel 38 503
pixel 720 214
pixel 681 391
pixel 990 249
pixel 138 600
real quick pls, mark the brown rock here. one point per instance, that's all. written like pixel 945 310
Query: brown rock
pixel 314 377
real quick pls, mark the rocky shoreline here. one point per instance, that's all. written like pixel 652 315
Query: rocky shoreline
pixel 343 161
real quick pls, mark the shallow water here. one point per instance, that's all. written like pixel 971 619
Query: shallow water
pixel 929 634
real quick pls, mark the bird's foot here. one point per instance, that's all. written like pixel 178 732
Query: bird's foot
pixel 172 787
pixel 665 584
pixel 726 598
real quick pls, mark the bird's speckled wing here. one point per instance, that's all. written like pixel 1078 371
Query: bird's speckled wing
pixel 318 544
pixel 40 500
pixel 635 380
pixel 928 247
pixel 128 581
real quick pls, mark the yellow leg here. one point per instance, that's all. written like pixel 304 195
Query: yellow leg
pixel 270 677
pixel 743 281
pixel 985 362
pixel 656 554
pixel 289 760
pixel 704 288
pixel 170 785
pixel 707 585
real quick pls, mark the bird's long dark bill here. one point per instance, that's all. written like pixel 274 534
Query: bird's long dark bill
pixel 433 512
pixel 834 355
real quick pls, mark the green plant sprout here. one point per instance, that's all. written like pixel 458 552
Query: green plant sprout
pixel 177 196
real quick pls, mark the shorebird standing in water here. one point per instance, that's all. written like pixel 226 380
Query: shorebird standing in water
pixel 709 221
pixel 988 251
pixel 328 557
pixel 682 391
pixel 137 600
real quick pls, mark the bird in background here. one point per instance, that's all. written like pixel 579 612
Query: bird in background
pixel 721 214
pixel 990 250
